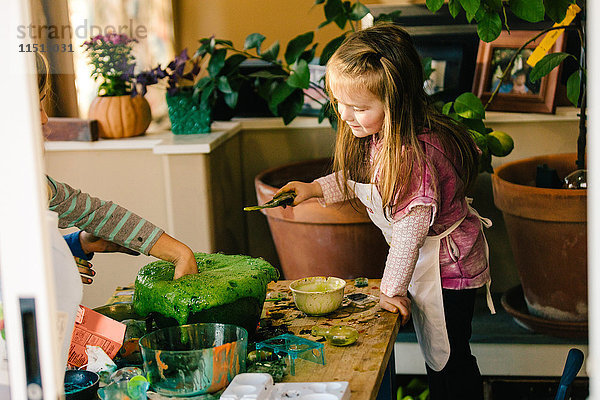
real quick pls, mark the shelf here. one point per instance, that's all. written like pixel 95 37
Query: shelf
pixel 502 347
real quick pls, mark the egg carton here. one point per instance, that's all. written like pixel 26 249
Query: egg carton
pixel 258 386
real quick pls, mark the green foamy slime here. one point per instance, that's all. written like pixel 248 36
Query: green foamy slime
pixel 221 279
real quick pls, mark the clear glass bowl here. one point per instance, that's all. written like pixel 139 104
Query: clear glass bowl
pixel 189 360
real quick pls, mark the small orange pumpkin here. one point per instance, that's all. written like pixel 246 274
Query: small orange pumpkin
pixel 120 116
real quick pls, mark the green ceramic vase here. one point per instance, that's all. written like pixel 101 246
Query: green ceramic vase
pixel 186 115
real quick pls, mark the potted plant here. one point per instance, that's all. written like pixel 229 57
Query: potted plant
pixel 120 111
pixel 546 225
pixel 186 113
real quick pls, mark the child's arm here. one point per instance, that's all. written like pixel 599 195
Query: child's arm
pixel 115 224
pixel 408 236
pixel 303 190
pixel 325 189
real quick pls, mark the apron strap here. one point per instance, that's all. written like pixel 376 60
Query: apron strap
pixel 488 296
pixel 485 222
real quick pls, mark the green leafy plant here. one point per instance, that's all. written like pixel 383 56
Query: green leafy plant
pixel 285 74
pixel 490 17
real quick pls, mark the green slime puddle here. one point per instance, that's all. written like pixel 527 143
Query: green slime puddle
pixel 221 279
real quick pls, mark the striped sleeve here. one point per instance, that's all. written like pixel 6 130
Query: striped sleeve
pixel 101 218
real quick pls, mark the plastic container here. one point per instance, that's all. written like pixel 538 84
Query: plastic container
pixel 189 360
pixel 261 387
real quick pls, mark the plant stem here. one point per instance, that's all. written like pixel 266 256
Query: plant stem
pixel 514 57
pixel 581 138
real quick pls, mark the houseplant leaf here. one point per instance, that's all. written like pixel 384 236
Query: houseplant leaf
pixel 546 64
pixel 470 6
pixel 296 46
pixel 427 70
pixel 447 107
pixel 281 91
pixel 232 63
pixel 434 5
pixel 291 106
pixel 332 9
pixel 573 88
pixel 268 74
pixel 330 48
pixel 489 26
pixel 202 83
pixel 216 63
pixel 309 54
pixel 358 11
pixel 231 99
pixel 529 10
pixel 499 143
pixel 272 52
pixel 479 140
pixel 454 7
pixel 253 41
pixel 475 124
pixel 467 105
pixel 557 9
pixel 300 75
pixel 223 85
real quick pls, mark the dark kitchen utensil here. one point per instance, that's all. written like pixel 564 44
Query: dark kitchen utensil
pixel 572 367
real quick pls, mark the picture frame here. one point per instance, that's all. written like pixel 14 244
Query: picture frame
pixel 517 93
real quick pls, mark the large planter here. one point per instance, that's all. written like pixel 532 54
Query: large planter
pixel 120 116
pixel 187 118
pixel 312 240
pixel 547 233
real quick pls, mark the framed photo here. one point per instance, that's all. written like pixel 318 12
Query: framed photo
pixel 517 92
pixel 314 96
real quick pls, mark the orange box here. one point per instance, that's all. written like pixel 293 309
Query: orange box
pixel 94 329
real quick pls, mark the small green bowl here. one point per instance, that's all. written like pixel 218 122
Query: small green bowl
pixel 318 295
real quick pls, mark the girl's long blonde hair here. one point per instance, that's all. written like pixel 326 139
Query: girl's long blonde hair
pixel 383 60
pixel 43 72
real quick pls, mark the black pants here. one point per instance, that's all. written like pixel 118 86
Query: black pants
pixel 460 378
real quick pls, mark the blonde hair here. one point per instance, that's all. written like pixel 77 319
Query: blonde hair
pixel 383 60
pixel 43 72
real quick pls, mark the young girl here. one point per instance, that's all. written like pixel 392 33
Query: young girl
pixel 410 166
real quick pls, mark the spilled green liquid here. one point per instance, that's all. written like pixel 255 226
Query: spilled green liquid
pixel 221 279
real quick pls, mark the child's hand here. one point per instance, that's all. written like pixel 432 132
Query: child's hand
pixel 396 304
pixel 85 270
pixel 304 191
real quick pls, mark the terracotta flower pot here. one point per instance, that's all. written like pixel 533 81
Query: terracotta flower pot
pixel 547 229
pixel 120 116
pixel 312 240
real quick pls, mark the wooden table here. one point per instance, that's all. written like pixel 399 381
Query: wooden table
pixel 363 363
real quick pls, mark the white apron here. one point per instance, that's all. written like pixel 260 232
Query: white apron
pixel 425 288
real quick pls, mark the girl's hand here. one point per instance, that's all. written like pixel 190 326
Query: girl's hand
pixel 396 304
pixel 85 270
pixel 304 191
